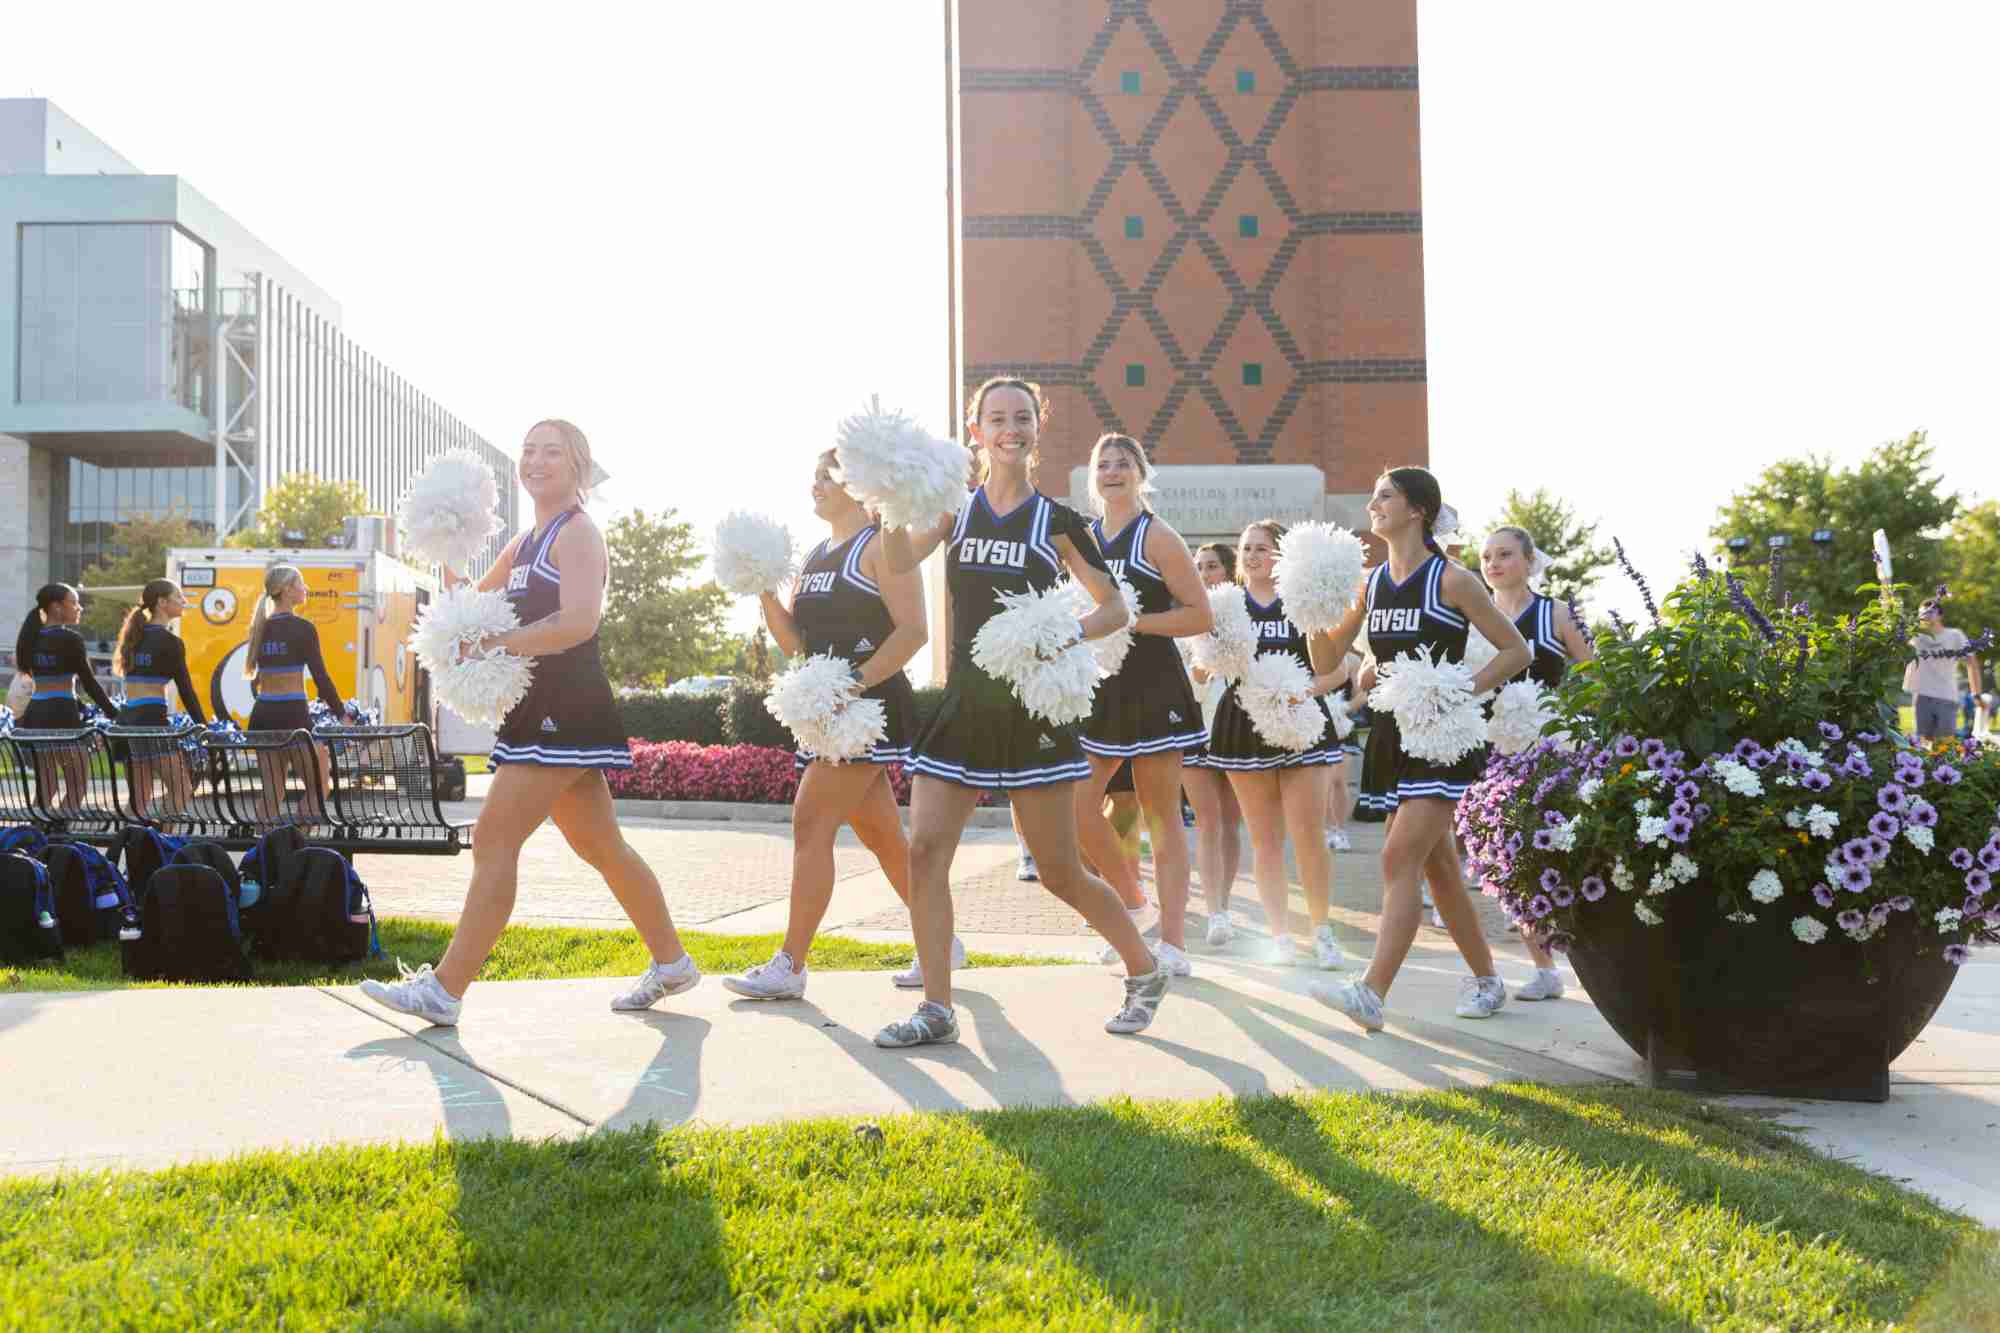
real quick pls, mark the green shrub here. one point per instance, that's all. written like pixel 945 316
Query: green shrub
pixel 745 720
pixel 696 719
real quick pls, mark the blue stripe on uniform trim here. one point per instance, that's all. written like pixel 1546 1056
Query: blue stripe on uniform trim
pixel 1186 740
pixel 1418 791
pixel 1302 759
pixel 1434 604
pixel 52 694
pixel 878 754
pixel 561 756
pixel 1138 551
pixel 1076 771
pixel 850 568
pixel 540 564
pixel 1039 540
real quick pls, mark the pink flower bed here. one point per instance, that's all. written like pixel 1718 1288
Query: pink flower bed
pixel 683 771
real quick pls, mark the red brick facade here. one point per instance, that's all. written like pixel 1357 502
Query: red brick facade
pixel 1218 198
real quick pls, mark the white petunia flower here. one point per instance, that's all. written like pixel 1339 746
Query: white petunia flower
pixel 1683 867
pixel 1921 838
pixel 1947 920
pixel 1643 806
pixel 1659 883
pixel 1741 918
pixel 1621 876
pixel 1563 835
pixel 1794 819
pixel 1766 887
pixel 1645 777
pixel 1821 822
pixel 1586 791
pixel 1808 929
pixel 1739 778
pixel 1646 914
pixel 1652 828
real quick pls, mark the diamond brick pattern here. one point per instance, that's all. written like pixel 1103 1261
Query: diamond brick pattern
pixel 1196 222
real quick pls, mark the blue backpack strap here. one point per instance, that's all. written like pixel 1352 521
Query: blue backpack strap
pixel 357 893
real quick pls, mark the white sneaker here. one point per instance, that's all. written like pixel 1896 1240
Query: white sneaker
pixel 1424 887
pixel 913 979
pixel 1353 998
pixel 1341 842
pixel 1221 929
pixel 1546 985
pixel 419 994
pixel 1284 952
pixel 1326 950
pixel 1437 919
pixel 1481 997
pixel 1025 871
pixel 774 980
pixel 657 982
pixel 1173 961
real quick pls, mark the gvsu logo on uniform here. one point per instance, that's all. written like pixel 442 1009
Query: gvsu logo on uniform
pixel 816 585
pixel 1117 568
pixel 1274 629
pixel 517 579
pixel 1396 620
pixel 993 554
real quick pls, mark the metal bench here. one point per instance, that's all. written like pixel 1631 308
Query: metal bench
pixel 380 792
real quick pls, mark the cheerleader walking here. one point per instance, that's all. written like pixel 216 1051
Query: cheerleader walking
pixel 553 746
pixel 1511 564
pixel 151 657
pixel 1218 819
pixel 283 650
pixel 49 649
pixel 1416 598
pixel 1146 716
pixel 1282 792
pixel 1008 537
pixel 847 602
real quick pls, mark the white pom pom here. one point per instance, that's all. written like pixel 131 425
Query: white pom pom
pixel 892 465
pixel 1318 573
pixel 1437 716
pixel 817 700
pixel 1519 714
pixel 479 689
pixel 1111 649
pixel 1031 644
pixel 1343 721
pixel 451 510
pixel 1273 693
pixel 1479 650
pixel 1226 650
pixel 753 554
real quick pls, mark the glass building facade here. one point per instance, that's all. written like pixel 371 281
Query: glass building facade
pixel 90 500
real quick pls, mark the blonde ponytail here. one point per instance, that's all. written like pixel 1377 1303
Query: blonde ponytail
pixel 276 579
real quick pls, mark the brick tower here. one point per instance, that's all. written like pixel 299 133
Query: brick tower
pixel 1196 221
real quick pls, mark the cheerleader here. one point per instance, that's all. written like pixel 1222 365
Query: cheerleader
pixel 553 746
pixel 1511 565
pixel 151 657
pixel 1146 715
pixel 283 650
pixel 1417 598
pixel 49 649
pixel 1282 792
pixel 845 601
pixel 1218 819
pixel 1008 537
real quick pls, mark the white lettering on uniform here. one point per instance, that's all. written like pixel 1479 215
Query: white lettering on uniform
pixel 817 584
pixel 517 578
pixel 985 551
pixel 1396 620
pixel 1274 629
pixel 1117 568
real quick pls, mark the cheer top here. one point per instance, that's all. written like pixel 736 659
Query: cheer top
pixel 1537 623
pixel 1403 617
pixel 992 553
pixel 837 608
pixel 292 644
pixel 1277 634
pixel 534 585
pixel 160 658
pixel 59 662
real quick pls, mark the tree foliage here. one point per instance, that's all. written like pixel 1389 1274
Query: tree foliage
pixel 303 510
pixel 658 624
pixel 139 556
pixel 1972 569
pixel 1577 560
pixel 1894 489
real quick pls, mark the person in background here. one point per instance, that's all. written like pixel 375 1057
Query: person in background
pixel 1932 678
pixel 1218 819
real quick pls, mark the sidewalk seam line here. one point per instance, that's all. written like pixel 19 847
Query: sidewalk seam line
pixel 589 1125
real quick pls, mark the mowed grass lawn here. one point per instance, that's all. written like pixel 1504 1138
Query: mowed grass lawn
pixel 1507 1208
pixel 525 953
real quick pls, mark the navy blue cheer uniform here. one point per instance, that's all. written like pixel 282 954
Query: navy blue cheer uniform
pixel 59 665
pixel 1233 743
pixel 1149 706
pixel 568 718
pixel 839 610
pixel 159 658
pixel 1537 623
pixel 1401 618
pixel 981 735
pixel 290 649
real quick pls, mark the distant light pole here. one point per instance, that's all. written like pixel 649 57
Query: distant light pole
pixel 1777 544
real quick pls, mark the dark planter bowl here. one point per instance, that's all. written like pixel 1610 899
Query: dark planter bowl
pixel 1717 1006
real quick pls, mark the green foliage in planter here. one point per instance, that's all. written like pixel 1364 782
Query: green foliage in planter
pixel 672 717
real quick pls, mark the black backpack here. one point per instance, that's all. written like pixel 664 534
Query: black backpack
pixel 189 928
pixel 28 929
pixel 269 877
pixel 92 901
pixel 320 914
pixel 27 841
pixel 142 850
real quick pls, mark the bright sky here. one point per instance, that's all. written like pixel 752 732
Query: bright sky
pixel 1665 244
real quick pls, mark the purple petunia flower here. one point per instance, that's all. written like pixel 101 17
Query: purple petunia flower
pixel 1815 781
pixel 1653 746
pixel 1856 766
pixel 1680 808
pixel 1879 913
pixel 1957 955
pixel 1902 902
pixel 1592 888
pixel 1977 882
pixel 1822 895
pixel 1744 748
pixel 1539 906
pixel 1673 772
pixel 1829 731
pixel 1856 879
pixel 1960 859
pixel 1687 791
pixel 1947 776
pixel 1601 761
pixel 1551 878
pixel 1924 815
pixel 1851 920
pixel 1884 825
pixel 1854 851
pixel 1514 844
pixel 1679 827
pixel 1625 747
pixel 1878 849
pixel 1989 857
pixel 1912 777
pixel 1701 811
pixel 1868 737
pixel 1656 762
pixel 1891 797
pixel 1545 839
pixel 1552 817
pixel 1971 907
pixel 1563 894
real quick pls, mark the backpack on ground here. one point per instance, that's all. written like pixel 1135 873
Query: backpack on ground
pixel 189 928
pixel 142 850
pixel 27 841
pixel 327 917
pixel 93 901
pixel 268 878
pixel 28 929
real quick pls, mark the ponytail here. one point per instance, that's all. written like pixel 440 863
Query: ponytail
pixel 46 596
pixel 136 620
pixel 276 579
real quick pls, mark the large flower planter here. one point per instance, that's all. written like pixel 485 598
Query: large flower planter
pixel 1717 1006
